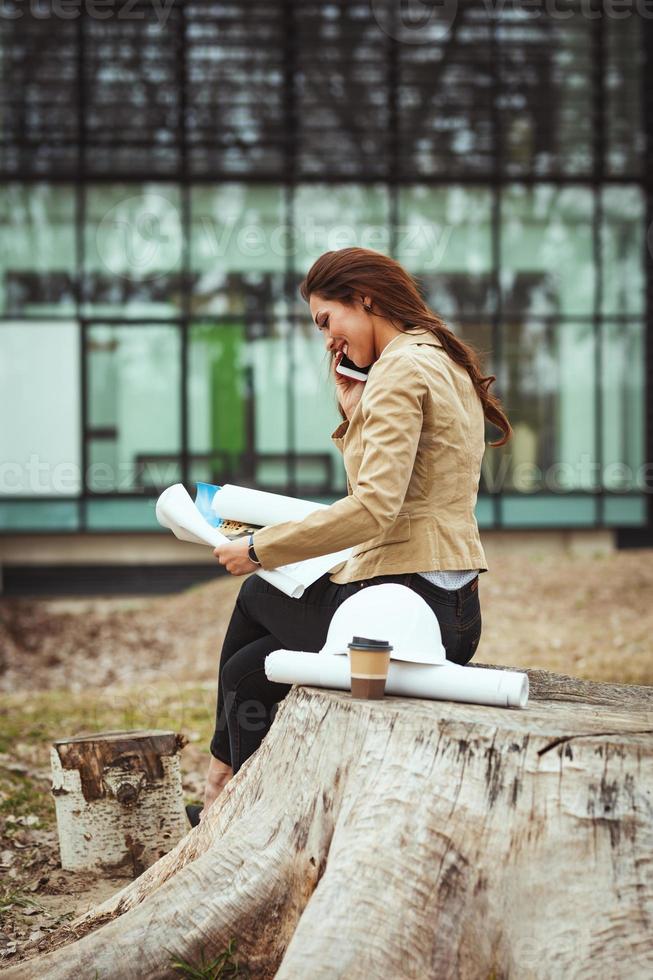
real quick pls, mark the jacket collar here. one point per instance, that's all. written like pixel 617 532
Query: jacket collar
pixel 411 337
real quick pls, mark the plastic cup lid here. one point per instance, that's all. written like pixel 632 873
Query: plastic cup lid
pixel 365 643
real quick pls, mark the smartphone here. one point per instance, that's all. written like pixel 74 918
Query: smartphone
pixel 351 370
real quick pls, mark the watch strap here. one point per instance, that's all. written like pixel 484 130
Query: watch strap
pixel 250 551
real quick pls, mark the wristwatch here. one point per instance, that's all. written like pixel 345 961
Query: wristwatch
pixel 250 551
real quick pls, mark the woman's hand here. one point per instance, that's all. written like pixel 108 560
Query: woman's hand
pixel 348 390
pixel 233 555
pixel 217 777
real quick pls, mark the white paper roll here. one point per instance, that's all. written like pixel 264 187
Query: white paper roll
pixel 260 507
pixel 439 682
pixel 176 511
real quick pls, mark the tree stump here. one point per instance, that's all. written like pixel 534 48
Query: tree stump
pixel 118 798
pixel 407 838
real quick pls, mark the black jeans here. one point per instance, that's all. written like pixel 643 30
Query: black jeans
pixel 264 619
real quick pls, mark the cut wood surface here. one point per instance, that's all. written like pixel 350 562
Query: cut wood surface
pixel 408 838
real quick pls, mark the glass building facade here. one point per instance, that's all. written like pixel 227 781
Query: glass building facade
pixel 169 173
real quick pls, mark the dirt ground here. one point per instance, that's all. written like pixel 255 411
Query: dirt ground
pixel 71 666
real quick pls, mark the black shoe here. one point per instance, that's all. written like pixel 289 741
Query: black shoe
pixel 193 811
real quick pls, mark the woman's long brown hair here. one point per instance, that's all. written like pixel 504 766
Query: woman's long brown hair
pixel 346 274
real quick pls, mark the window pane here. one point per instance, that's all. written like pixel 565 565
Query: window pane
pixel 573 452
pixel 547 263
pixel 39 406
pixel 478 334
pixel 37 256
pixel 445 89
pixel 121 515
pixel 343 103
pixel 484 511
pixel 270 373
pixel 132 94
pixel 134 436
pixel 543 510
pixel 624 87
pixel 319 463
pixel 236 87
pixel 331 217
pixel 623 405
pixel 547 72
pixel 38 515
pixel 623 250
pixel 133 249
pixel 40 85
pixel 548 395
pixel 238 406
pixel 239 252
pixel 445 238
pixel 625 510
pixel 219 403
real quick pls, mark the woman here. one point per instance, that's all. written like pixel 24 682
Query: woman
pixel 412 439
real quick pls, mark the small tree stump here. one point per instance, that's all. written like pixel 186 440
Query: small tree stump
pixel 407 838
pixel 118 799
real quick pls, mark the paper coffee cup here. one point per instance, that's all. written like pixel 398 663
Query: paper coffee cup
pixel 369 661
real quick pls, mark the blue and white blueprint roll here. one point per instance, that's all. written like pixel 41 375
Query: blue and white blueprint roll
pixel 176 511
pixel 439 682
pixel 260 506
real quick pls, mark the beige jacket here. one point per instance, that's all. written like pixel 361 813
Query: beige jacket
pixel 412 451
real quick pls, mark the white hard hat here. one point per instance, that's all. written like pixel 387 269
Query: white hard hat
pixel 390 612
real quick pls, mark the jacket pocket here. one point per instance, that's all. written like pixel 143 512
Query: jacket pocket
pixel 400 531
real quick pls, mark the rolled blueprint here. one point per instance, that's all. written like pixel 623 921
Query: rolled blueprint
pixel 176 510
pixel 266 509
pixel 259 506
pixel 439 682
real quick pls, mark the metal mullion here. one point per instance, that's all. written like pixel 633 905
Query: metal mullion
pixel 647 112
pixel 112 144
pixel 599 148
pixel 84 426
pixel 497 326
pixel 52 320
pixel 80 265
pixel 134 321
pixel 291 127
pixel 278 176
pixel 141 321
pixel 183 396
pixel 209 99
pixel 393 126
pixel 121 495
pixel 186 224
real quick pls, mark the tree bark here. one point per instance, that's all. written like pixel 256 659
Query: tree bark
pixel 408 838
pixel 118 799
